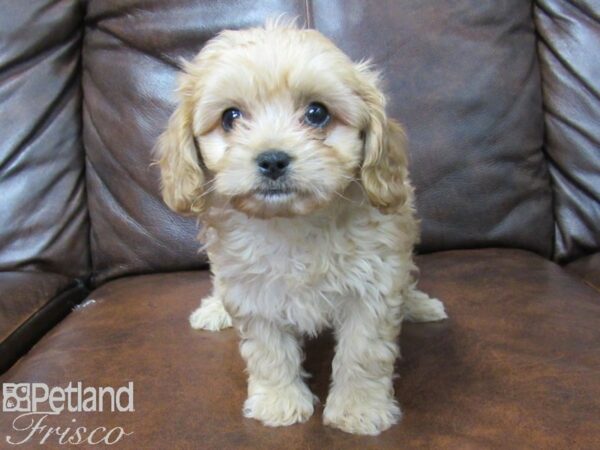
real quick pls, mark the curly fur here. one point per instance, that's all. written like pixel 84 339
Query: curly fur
pixel 335 252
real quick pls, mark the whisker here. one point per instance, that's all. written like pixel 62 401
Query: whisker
pixel 326 299
pixel 345 198
pixel 212 180
pixel 362 188
pixel 208 191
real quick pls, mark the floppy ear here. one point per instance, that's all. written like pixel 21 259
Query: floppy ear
pixel 182 177
pixel 384 172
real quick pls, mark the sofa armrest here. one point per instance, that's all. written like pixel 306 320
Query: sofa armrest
pixel 587 268
pixel 30 304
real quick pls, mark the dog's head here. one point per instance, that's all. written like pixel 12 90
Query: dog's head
pixel 279 122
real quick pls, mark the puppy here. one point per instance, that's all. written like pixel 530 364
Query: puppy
pixel 281 146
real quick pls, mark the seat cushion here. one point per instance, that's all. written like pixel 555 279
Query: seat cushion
pixel 31 303
pixel 587 268
pixel 24 293
pixel 516 364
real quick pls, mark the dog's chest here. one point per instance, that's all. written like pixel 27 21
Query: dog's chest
pixel 300 270
pixel 296 254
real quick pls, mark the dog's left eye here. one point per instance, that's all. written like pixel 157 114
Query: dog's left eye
pixel 229 116
pixel 316 115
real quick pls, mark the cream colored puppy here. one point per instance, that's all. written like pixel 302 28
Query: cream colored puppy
pixel 281 146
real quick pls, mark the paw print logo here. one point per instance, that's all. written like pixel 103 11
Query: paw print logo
pixel 16 397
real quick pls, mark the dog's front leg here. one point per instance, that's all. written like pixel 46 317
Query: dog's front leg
pixel 361 398
pixel 211 315
pixel 277 395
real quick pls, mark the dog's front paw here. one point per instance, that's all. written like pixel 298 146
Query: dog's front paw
pixel 276 407
pixel 360 415
pixel 211 315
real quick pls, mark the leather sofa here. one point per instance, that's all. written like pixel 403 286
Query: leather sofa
pixel 501 100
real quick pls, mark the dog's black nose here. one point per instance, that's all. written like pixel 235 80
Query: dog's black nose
pixel 273 163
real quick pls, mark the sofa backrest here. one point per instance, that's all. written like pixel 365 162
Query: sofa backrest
pixel 43 211
pixel 462 76
pixel 500 101
pixel 569 50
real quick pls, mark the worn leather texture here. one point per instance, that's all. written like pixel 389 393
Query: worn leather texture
pixel 475 127
pixel 588 268
pixel 31 303
pixel 515 366
pixel 569 50
pixel 44 221
pixel 22 294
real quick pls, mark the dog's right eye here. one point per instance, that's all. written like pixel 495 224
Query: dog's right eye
pixel 229 117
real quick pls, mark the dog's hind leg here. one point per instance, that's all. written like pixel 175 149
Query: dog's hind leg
pixel 419 307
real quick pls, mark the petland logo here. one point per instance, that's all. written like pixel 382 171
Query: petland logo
pixel 36 402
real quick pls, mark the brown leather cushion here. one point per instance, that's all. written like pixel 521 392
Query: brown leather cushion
pixel 44 219
pixel 31 303
pixel 461 75
pixel 22 294
pixel 569 53
pixel 131 53
pixel 516 366
pixel 587 268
